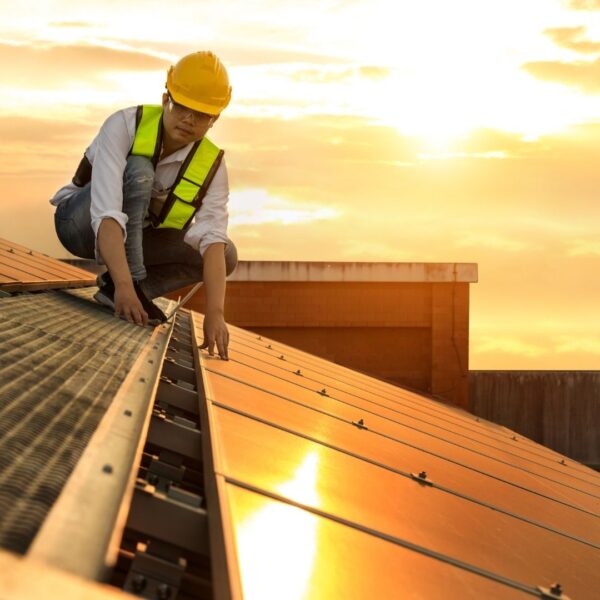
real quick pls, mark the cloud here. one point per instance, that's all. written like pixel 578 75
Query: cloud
pixel 237 54
pixel 256 206
pixel 578 344
pixel 499 344
pixel 74 24
pixel 532 347
pixel 358 249
pixel 584 4
pixel 571 38
pixel 582 247
pixel 449 155
pixel 49 133
pixel 52 66
pixel 322 75
pixel 374 72
pixel 584 75
pixel 494 241
pixel 329 74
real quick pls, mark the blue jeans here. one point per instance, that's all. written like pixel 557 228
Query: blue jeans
pixel 158 257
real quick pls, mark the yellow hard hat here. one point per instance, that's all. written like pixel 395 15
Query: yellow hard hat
pixel 200 81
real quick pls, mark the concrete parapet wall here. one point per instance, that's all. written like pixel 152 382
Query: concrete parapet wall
pixel 266 270
pixel 409 333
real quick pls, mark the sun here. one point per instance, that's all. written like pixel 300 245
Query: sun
pixel 425 109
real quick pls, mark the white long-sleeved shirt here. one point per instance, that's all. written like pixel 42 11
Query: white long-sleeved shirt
pixel 108 155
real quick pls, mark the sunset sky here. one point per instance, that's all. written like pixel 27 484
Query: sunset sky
pixel 380 130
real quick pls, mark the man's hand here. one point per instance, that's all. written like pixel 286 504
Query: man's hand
pixel 128 304
pixel 215 331
pixel 112 250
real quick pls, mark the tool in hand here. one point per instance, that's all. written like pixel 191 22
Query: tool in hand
pixel 183 300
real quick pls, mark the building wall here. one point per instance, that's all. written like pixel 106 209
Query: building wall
pixel 559 409
pixel 413 334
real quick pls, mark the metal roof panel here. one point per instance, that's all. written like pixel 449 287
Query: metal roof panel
pixel 22 269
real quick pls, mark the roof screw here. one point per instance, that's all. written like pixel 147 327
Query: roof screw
pixel 127 413
pixel 259 338
pixel 11 251
pixel 30 253
pixel 556 589
pixel 323 392
pixel 142 380
pixel 477 419
pixel 282 357
pixel 361 423
pixel 423 475
pixel 514 437
pixel 269 347
pixel 562 462
pixel 138 583
pixel 107 469
pixel 163 591
pixel 298 372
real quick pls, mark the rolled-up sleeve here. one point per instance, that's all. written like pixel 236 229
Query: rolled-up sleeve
pixel 210 224
pixel 111 148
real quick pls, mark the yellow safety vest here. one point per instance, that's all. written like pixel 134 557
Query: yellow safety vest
pixel 194 176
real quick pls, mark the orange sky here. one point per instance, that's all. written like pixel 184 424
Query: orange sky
pixel 432 132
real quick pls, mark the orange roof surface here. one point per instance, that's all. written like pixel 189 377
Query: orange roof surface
pixel 332 484
pixel 22 269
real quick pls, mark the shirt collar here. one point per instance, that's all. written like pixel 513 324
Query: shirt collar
pixel 177 156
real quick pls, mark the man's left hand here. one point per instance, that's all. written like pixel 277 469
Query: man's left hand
pixel 215 332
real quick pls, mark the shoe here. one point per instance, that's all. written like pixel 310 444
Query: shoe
pixel 106 296
pixel 106 291
pixel 102 279
pixel 155 315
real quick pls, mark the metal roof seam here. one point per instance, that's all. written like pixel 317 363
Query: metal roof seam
pixel 224 566
pixel 307 378
pixel 436 404
pixel 402 442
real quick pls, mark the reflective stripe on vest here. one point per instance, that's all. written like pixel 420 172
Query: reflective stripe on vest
pixel 148 132
pixel 194 176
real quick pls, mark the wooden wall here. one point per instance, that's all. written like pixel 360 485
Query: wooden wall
pixel 559 409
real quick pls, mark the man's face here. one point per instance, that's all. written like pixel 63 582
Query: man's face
pixel 184 125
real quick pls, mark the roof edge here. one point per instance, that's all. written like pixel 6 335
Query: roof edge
pixel 255 270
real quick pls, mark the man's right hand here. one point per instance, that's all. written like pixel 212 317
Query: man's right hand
pixel 111 247
pixel 127 304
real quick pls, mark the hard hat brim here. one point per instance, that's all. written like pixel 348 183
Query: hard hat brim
pixel 195 105
pixel 209 109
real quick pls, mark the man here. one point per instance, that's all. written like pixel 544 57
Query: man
pixel 149 200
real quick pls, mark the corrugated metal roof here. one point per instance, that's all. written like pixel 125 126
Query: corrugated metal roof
pixel 22 269
pixel 62 359
pixel 334 484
